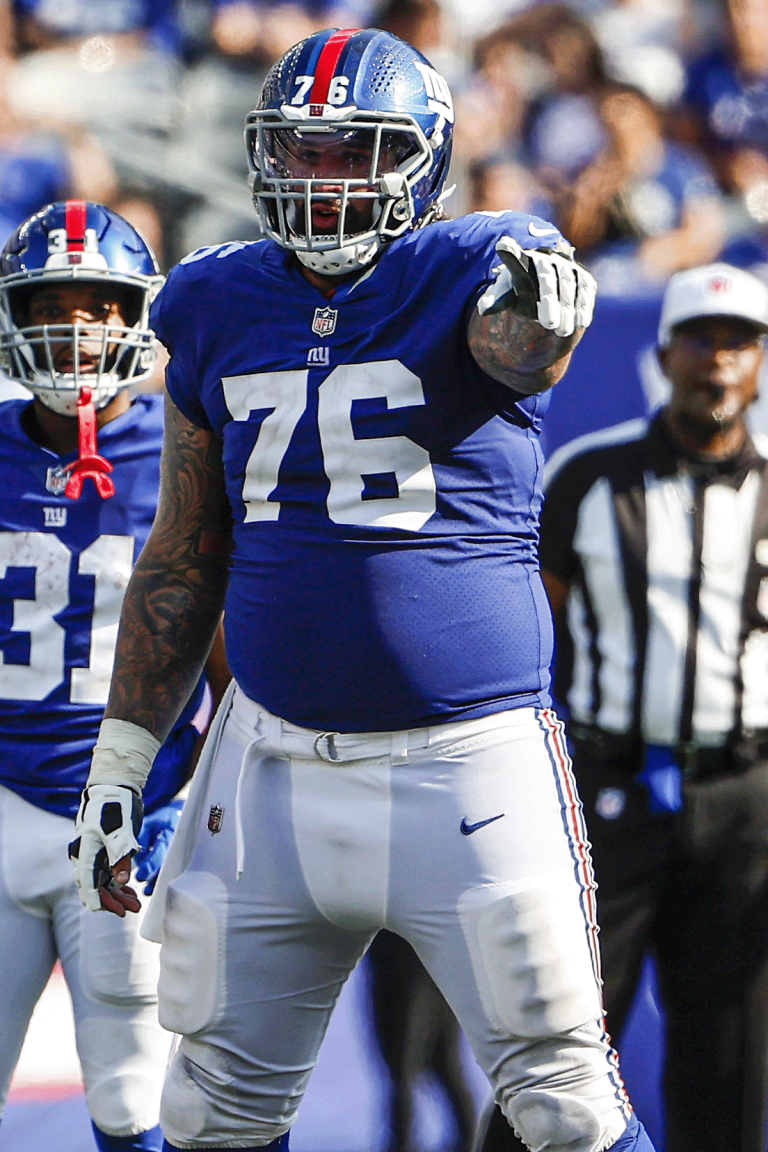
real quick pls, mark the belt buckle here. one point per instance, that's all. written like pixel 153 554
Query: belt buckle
pixel 329 752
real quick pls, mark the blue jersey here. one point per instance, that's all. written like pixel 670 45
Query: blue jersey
pixel 385 491
pixel 64 566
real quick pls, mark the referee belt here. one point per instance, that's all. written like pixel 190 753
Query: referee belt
pixel 696 761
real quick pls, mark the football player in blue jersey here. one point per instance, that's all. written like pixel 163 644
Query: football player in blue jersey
pixel 352 465
pixel 76 283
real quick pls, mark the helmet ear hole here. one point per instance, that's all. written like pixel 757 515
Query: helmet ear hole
pixel 131 303
pixel 19 299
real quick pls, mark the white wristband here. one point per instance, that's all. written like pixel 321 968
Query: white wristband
pixel 123 754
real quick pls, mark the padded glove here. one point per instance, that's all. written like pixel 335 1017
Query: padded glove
pixel 546 284
pixel 106 827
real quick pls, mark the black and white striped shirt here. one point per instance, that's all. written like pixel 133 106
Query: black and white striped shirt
pixel 666 559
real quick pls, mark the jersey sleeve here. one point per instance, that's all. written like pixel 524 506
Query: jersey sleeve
pixel 483 230
pixel 172 319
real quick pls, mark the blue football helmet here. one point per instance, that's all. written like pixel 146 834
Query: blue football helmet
pixel 349 146
pixel 76 241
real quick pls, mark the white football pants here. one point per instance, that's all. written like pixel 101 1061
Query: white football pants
pixel 296 847
pixel 110 970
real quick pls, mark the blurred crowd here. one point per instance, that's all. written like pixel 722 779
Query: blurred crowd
pixel 639 126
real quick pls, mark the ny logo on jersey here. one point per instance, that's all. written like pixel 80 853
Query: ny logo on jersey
pixel 319 356
pixel 324 321
pixel 56 480
pixel 54 517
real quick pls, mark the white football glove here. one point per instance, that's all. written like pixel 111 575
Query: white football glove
pixel 545 283
pixel 106 827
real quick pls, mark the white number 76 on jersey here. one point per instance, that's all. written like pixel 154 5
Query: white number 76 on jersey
pixel 347 459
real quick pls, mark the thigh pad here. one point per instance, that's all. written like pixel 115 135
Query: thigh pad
pixel 531 955
pixel 192 985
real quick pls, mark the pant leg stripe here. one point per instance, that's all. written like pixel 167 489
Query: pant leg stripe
pixel 573 821
pixel 576 831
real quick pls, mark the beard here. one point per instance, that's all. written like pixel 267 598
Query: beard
pixel 358 217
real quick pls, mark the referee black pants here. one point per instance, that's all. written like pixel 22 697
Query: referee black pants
pixel 692 889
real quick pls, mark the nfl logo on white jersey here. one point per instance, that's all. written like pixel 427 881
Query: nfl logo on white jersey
pixel 324 322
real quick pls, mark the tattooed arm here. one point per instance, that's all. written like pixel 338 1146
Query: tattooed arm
pixel 170 615
pixel 532 316
pixel 518 352
pixel 174 599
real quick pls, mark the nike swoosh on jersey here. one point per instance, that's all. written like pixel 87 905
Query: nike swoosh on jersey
pixel 536 231
pixel 467 828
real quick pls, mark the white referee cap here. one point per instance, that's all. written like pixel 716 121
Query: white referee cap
pixel 713 290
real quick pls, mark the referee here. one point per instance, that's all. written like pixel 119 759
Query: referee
pixel 655 556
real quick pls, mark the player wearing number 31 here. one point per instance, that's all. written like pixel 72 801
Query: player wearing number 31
pixel 76 283
pixel 352 461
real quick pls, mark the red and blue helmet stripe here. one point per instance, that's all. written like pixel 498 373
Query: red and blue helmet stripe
pixel 75 216
pixel 328 62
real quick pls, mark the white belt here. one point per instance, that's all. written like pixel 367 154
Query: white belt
pixel 337 747
pixel 284 740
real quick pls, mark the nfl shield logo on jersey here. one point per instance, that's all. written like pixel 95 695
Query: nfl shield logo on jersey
pixel 215 817
pixel 324 321
pixel 56 480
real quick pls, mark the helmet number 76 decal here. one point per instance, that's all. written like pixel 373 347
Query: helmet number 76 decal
pixel 338 89
pixel 349 461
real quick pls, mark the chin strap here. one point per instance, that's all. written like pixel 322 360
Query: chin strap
pixel 90 463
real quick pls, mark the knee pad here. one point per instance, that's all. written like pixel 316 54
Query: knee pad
pixel 279 1145
pixel 198 1106
pixel 123 1059
pixel 149 1141
pixel 554 1122
pixel 531 957
pixel 563 1093
pixel 191 985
